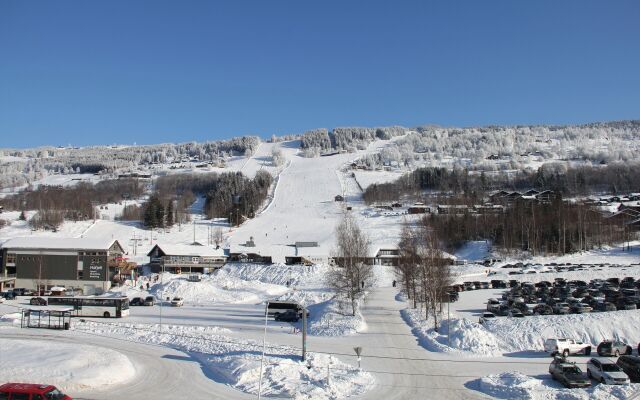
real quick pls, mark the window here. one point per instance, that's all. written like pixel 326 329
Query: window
pixel 80 274
pixel 4 396
pixel 11 259
pixel 20 396
pixel 37 397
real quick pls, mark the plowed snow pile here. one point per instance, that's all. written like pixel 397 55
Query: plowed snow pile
pixel 236 362
pixel 506 335
pixel 514 385
pixel 70 367
pixel 465 336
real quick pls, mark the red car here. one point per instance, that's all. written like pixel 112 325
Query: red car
pixel 30 391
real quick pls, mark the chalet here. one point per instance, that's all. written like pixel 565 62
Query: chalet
pixel 548 196
pixel 418 209
pixel 79 264
pixel 489 208
pixel 385 256
pixel 497 196
pixel 188 259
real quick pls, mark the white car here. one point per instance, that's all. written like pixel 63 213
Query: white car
pixel 566 347
pixel 606 371
pixel 177 302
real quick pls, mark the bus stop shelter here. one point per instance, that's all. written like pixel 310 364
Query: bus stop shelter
pixel 46 318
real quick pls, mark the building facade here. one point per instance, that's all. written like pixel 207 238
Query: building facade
pixel 87 266
pixel 180 259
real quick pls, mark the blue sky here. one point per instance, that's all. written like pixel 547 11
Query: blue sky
pixel 102 72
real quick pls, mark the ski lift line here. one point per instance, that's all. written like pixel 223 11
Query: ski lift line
pixel 294 348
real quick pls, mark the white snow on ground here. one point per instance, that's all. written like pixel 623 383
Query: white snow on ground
pixel 514 385
pixel 505 335
pixel 216 288
pixel 73 367
pixel 236 362
pixel 474 251
pixel 465 336
pixel 529 333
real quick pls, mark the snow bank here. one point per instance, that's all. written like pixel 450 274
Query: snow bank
pixel 507 335
pixel 236 362
pixel 219 288
pixel 277 274
pixel 514 385
pixel 334 318
pixel 520 334
pixel 71 367
pixel 466 337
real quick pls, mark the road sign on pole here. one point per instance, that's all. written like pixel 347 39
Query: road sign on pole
pixel 304 333
pixel 358 351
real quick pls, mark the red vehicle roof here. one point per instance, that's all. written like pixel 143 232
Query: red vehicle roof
pixel 33 388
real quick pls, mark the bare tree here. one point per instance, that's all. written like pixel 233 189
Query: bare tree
pixel 435 274
pixel 348 276
pixel 423 269
pixel 218 237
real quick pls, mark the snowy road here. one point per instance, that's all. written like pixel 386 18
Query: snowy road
pixel 387 335
pixel 181 376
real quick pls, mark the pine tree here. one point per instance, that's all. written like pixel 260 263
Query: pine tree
pixel 23 216
pixel 150 214
pixel 159 210
pixel 169 215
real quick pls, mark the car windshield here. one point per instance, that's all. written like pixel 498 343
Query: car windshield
pixel 572 370
pixel 54 394
pixel 610 368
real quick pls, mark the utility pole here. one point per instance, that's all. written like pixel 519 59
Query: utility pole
pixel 304 333
pixel 449 321
pixel 135 241
pixel 264 345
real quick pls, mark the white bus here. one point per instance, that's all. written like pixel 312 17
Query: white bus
pixel 83 306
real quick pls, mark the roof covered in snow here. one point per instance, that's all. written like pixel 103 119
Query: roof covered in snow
pixel 59 243
pixel 188 250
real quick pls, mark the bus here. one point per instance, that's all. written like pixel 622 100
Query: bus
pixel 275 307
pixel 84 306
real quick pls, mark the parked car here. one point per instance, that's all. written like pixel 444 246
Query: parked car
pixel 613 348
pixel 35 391
pixel 566 347
pixel 515 313
pixel 631 366
pixel 581 308
pixel 561 308
pixel 149 301
pixel 8 295
pixel 177 302
pixel 136 301
pixel 287 316
pixel 19 291
pixel 568 373
pixel 38 301
pixel 485 316
pixel 605 306
pixel 606 371
pixel 542 309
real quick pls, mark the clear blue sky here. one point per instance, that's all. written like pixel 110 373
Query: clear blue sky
pixel 101 72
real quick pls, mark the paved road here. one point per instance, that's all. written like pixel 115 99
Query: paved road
pixel 388 335
pixel 161 372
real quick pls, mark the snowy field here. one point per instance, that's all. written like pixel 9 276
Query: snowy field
pixel 75 367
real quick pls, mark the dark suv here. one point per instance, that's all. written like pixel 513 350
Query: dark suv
pixel 631 366
pixel 613 348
